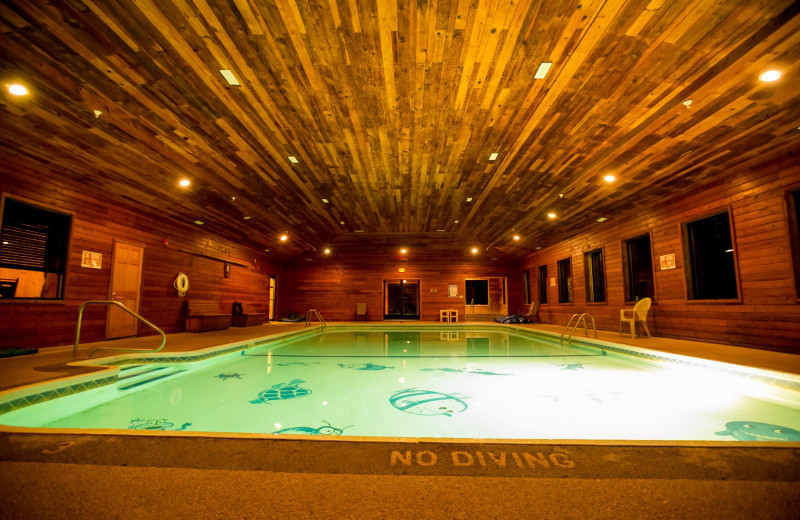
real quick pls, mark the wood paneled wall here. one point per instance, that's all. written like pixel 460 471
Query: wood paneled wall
pixel 352 275
pixel 97 222
pixel 768 313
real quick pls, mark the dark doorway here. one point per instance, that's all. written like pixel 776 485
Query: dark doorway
pixel 401 299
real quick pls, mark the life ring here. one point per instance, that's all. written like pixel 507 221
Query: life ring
pixel 181 284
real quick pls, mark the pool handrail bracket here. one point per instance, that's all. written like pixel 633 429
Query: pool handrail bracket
pixel 580 318
pixel 315 313
pixel 121 306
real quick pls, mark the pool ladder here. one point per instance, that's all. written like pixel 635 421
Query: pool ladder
pixel 315 313
pixel 580 318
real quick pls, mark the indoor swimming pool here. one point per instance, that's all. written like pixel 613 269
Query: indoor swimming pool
pixel 455 382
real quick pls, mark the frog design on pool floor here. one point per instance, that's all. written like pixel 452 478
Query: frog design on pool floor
pixel 307 430
pixel 757 431
pixel 155 424
pixel 225 377
pixel 282 391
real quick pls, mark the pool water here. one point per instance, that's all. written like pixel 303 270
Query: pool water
pixel 493 384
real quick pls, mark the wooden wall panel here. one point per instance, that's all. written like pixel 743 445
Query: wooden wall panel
pixel 768 315
pixel 351 275
pixel 96 224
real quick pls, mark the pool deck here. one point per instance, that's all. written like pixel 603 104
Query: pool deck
pixel 122 475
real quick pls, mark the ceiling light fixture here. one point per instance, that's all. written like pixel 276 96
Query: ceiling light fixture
pixel 17 89
pixel 609 178
pixel 456 222
pixel 469 199
pixel 184 183
pixel 474 250
pixel 325 201
pixel 293 159
pixel 229 77
pixel 247 217
pixel 542 71
pixel 551 215
pixel 284 238
pixel 770 75
pixel 198 222
pixel 687 103
pixel 516 237
pixel 493 156
pixel 441 230
pixel 602 219
pixel 327 251
pixel 358 230
pixel 403 251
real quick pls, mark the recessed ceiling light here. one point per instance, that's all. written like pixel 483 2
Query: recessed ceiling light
pixel 6 242
pixel 456 222
pixel 551 215
pixel 266 250
pixel 17 89
pixel 493 156
pixel 327 251
pixel 284 238
pixel 609 178
pixel 198 222
pixel 687 103
pixel 770 75
pixel 542 71
pixel 403 251
pixel 229 77
pixel 247 217
pixel 602 219
pixel 358 230
pixel 469 199
pixel 325 201
pixel 342 223
pixel 97 113
pixel 184 183
pixel 474 250
pixel 308 259
pixel 293 159
pixel 516 237
pixel 441 230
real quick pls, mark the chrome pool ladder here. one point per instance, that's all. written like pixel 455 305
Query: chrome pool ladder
pixel 580 318
pixel 315 313
pixel 121 306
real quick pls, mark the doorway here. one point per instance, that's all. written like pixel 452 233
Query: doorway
pixel 273 297
pixel 486 297
pixel 126 281
pixel 401 299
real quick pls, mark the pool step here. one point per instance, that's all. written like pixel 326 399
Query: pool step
pixel 138 375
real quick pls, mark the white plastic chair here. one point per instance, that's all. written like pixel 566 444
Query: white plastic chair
pixel 636 315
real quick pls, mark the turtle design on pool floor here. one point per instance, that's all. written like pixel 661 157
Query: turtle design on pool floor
pixel 282 391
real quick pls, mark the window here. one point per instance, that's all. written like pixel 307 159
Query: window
pixel 526 286
pixel 793 204
pixel 542 284
pixel 637 261
pixel 33 251
pixel 564 268
pixel 477 292
pixel 710 266
pixel 595 278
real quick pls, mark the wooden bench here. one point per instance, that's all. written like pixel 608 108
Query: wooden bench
pixel 205 315
pixel 248 319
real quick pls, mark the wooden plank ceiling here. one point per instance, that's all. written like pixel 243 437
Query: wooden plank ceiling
pixel 392 109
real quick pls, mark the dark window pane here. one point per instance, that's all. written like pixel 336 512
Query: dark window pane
pixel 595 281
pixel 542 284
pixel 526 286
pixel 477 292
pixel 639 269
pixel 564 281
pixel 711 273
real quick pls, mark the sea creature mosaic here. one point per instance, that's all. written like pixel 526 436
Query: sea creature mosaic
pixel 365 366
pixel 328 429
pixel 155 424
pixel 475 371
pixel 282 391
pixel 758 431
pixel 427 402
pixel 225 377
pixel 571 366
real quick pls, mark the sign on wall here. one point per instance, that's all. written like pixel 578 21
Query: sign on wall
pixel 92 260
pixel 667 262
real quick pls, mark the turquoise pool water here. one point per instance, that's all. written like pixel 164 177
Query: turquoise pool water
pixel 493 383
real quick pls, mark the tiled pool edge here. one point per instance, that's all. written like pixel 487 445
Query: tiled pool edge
pixel 17 398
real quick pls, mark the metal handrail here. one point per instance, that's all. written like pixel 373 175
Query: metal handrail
pixel 314 312
pixel 118 304
pixel 581 317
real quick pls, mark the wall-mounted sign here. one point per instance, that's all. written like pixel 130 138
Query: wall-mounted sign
pixel 401 270
pixel 92 260
pixel 667 262
pixel 552 281
pixel 452 291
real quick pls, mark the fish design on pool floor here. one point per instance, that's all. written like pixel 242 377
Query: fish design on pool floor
pixel 427 402
pixel 155 424
pixel 571 366
pixel 757 431
pixel 476 371
pixel 225 377
pixel 282 391
pixel 307 430
pixel 365 366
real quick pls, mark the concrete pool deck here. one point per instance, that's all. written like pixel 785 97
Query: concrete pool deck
pixel 125 475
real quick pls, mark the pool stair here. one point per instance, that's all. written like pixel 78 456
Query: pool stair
pixel 133 376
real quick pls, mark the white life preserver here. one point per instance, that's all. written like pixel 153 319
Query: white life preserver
pixel 181 284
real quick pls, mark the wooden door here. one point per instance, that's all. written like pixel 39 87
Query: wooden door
pixel 126 281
